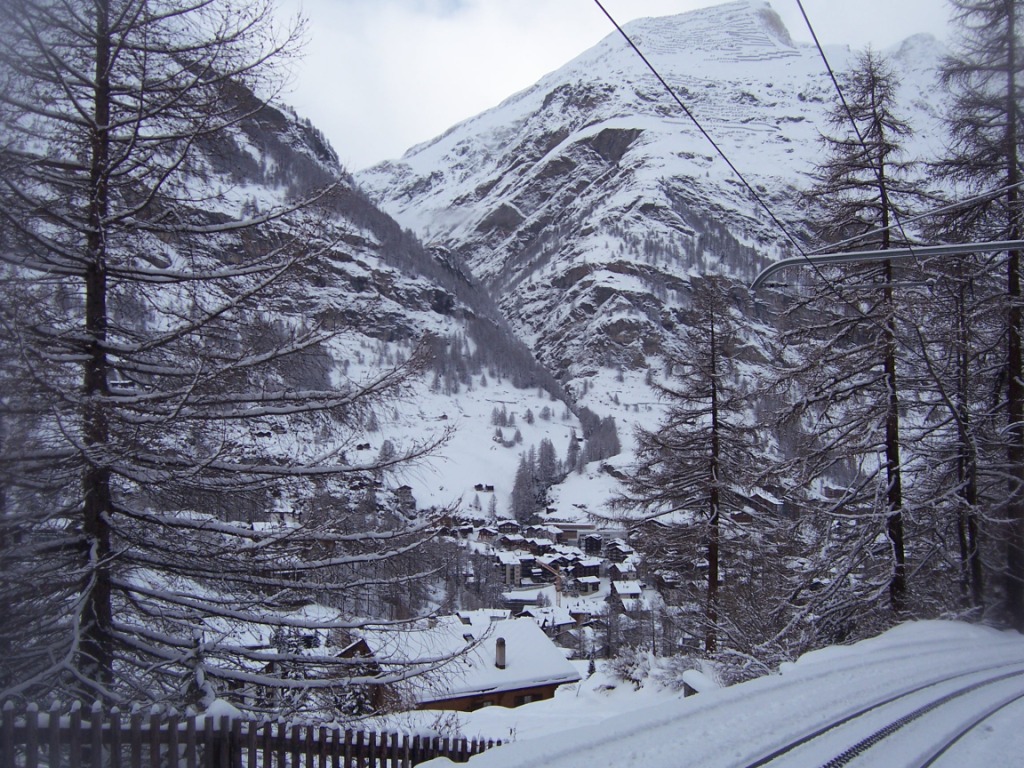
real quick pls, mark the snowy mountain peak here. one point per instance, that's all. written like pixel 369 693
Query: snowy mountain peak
pixel 748 30
pixel 587 202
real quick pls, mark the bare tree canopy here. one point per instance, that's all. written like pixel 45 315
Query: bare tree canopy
pixel 163 403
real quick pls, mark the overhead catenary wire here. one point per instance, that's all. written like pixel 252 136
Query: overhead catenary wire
pixel 992 194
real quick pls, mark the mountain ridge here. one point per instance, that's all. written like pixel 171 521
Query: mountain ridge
pixel 586 202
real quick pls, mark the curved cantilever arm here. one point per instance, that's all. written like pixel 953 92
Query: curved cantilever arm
pixel 891 254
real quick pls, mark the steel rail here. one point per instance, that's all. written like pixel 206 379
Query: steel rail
pixel 998 707
pixel 879 734
pixel 776 754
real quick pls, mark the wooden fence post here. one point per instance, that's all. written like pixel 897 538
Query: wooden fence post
pixel 135 739
pixel 209 748
pixel 307 746
pixel 173 741
pixel 114 729
pixel 75 740
pixel 236 743
pixel 358 747
pixel 96 734
pixel 32 736
pixel 294 741
pixel 7 735
pixel 53 748
pixel 154 739
pixel 266 743
pixel 191 746
pixel 251 732
pixel 224 743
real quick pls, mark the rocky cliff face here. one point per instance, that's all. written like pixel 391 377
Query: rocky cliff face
pixel 587 201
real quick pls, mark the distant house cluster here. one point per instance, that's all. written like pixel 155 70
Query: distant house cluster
pixel 568 577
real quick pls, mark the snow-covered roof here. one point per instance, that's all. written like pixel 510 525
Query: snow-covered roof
pixel 540 542
pixel 508 558
pixel 627 588
pixel 588 579
pixel 531 659
pixel 549 616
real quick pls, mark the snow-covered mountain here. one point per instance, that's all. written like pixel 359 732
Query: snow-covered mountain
pixel 585 202
pixel 573 214
pixel 384 294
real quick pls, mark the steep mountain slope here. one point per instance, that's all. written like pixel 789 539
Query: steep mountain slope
pixel 383 293
pixel 586 201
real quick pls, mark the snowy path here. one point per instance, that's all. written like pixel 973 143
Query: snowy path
pixel 864 688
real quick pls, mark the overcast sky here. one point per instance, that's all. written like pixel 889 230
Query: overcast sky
pixel 379 76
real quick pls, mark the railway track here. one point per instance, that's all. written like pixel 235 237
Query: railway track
pixel 905 728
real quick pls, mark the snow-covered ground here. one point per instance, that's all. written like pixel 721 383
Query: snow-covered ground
pixel 590 725
pixel 472 456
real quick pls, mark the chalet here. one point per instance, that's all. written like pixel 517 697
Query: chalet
pixel 551 532
pixel 521 599
pixel 628 595
pixel 511 569
pixel 618 550
pixel 508 526
pixel 494 662
pixel 627 589
pixel 528 560
pixel 586 585
pixel 552 568
pixel 591 543
pixel 768 502
pixel 486 534
pixel 511 541
pixel 667 580
pixel 590 566
pixel 570 551
pixel 540 546
pixel 364 699
pixel 625 570
pixel 556 623
pixel 572 531
pixel 556 560
pixel 353 698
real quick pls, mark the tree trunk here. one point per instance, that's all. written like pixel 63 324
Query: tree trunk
pixel 711 611
pixel 1015 385
pixel 894 522
pixel 972 575
pixel 96 648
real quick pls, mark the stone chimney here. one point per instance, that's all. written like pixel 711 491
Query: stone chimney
pixel 499 653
